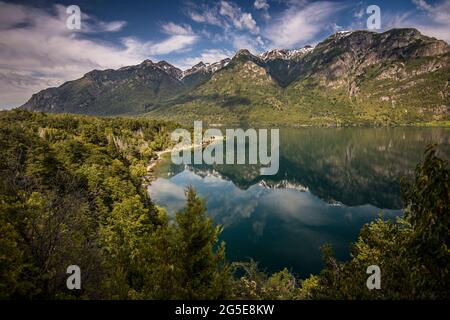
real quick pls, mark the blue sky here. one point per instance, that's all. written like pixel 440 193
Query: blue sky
pixel 39 51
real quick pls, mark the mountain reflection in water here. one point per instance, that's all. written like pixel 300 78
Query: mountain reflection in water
pixel 330 183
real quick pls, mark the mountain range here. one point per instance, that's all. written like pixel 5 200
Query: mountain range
pixel 360 77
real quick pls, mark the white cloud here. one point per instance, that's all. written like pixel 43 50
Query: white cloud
pixel 296 205
pixel 359 13
pixel 177 29
pixel 239 28
pixel 174 43
pixel 230 10
pixel 336 27
pixel 252 44
pixel 261 5
pixel 206 56
pixel 299 24
pixel 264 7
pixel 240 19
pixel 206 15
pixel 225 14
pixel 421 4
pixel 113 26
pixel 181 37
pixel 38 51
pixel 169 193
pixel 92 25
pixel 249 23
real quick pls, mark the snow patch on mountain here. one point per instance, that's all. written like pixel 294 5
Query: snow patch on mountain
pixel 285 54
pixel 206 67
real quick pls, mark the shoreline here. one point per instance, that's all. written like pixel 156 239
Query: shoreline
pixel 432 123
pixel 150 177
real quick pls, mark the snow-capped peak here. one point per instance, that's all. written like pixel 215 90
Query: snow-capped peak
pixel 206 67
pixel 284 54
pixel 343 34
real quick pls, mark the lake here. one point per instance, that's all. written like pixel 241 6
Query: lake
pixel 331 181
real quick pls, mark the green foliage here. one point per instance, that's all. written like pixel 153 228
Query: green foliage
pixel 323 90
pixel 72 193
pixel 427 209
pixel 197 237
pixel 184 259
pixel 257 285
pixel 412 253
pixel 125 91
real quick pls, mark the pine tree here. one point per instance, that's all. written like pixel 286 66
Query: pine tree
pixel 205 275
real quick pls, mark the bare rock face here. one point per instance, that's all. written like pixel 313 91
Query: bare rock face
pixel 347 60
pixel 170 69
pixel 201 72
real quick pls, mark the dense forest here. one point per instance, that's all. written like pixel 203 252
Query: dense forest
pixel 72 193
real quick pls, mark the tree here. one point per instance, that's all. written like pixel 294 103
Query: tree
pixel 68 197
pixel 412 253
pixel 202 263
pixel 257 285
pixel 122 238
pixel 183 260
pixel 427 209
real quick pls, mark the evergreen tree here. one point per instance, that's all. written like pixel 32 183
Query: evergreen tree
pixel 412 252
pixel 201 260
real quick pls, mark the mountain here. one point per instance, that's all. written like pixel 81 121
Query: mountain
pixel 129 90
pixel 124 91
pixel 202 72
pixel 360 77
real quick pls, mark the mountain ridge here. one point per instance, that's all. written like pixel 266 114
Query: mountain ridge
pixel 352 74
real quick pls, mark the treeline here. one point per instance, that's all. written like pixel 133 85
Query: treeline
pixel 71 193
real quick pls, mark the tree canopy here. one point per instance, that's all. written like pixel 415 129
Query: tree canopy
pixel 72 193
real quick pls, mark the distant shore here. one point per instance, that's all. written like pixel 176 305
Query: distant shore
pixel 149 178
pixel 436 123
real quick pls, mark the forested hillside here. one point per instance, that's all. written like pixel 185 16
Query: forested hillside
pixel 71 193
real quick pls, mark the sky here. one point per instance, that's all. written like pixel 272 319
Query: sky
pixel 38 50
